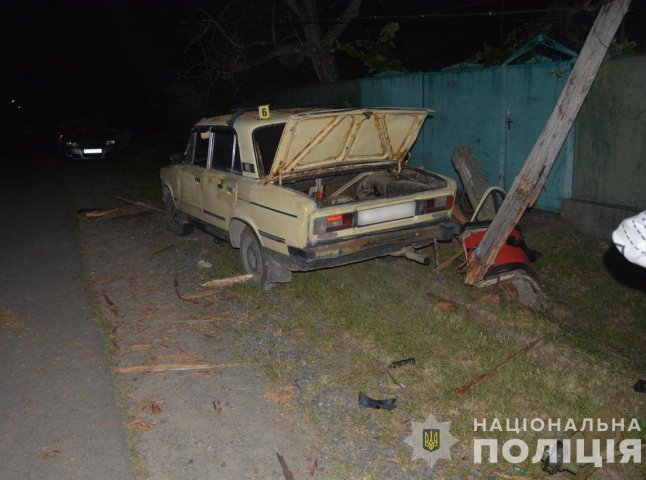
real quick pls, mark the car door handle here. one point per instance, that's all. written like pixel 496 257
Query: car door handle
pixel 197 180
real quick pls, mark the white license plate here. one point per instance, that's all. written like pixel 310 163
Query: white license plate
pixel 92 150
pixel 385 214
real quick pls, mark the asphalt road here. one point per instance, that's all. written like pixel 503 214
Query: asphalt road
pixel 58 413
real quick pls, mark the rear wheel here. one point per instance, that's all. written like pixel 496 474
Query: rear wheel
pixel 175 220
pixel 253 259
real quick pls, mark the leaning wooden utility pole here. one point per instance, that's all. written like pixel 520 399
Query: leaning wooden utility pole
pixel 529 182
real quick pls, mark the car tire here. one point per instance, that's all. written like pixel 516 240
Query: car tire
pixel 175 220
pixel 253 259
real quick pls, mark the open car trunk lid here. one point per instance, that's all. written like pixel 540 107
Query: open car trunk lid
pixel 345 138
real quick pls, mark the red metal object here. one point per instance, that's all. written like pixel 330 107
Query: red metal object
pixel 508 253
pixel 514 255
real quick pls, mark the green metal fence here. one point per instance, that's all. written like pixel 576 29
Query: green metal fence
pixel 498 112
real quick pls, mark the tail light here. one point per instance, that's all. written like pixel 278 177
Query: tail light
pixel 333 223
pixel 431 205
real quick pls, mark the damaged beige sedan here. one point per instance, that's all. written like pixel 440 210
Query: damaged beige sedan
pixel 307 189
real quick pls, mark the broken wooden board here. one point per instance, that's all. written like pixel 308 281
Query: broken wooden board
pixel 474 181
pixel 283 465
pixel 91 214
pixel 173 367
pixel 140 204
pixel 200 294
pixel 458 215
pixel 469 387
pixel 227 282
pixel 179 295
pixel 128 211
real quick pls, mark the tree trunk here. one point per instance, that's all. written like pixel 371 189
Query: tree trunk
pixel 325 67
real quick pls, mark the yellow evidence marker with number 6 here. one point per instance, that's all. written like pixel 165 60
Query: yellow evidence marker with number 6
pixel 263 112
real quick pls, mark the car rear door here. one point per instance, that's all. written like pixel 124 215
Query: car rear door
pixel 220 180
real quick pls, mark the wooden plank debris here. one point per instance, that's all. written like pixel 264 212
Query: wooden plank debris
pixel 200 294
pixel 129 211
pixel 141 204
pixel 469 387
pixel 450 260
pixel 153 407
pixel 458 215
pixel 474 181
pixel 111 306
pixel 173 367
pixel 179 295
pixel 529 182
pixel 283 465
pixel 92 214
pixel 227 282
pixel 314 467
pixel 162 249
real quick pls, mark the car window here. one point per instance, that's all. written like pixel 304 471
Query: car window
pixel 201 148
pixel 265 141
pixel 225 151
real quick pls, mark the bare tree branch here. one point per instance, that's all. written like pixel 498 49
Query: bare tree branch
pixel 212 21
pixel 302 9
pixel 277 52
pixel 224 50
pixel 335 31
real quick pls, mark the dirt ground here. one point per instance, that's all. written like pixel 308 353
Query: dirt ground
pixel 282 369
pixel 228 421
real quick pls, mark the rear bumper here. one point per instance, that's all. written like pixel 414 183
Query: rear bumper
pixel 360 248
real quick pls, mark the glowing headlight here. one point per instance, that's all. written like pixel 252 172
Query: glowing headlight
pixel 110 142
pixel 71 144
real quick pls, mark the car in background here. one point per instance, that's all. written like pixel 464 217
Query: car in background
pixel 305 189
pixel 86 139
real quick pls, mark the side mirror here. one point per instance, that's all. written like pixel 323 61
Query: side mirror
pixel 176 158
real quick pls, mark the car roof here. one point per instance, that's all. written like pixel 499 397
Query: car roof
pixel 249 118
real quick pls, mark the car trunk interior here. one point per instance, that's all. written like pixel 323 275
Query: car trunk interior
pixel 366 185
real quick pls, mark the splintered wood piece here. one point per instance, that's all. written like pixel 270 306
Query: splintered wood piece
pixel 111 306
pixel 179 295
pixel 201 294
pixel 154 408
pixel 474 181
pixel 458 215
pixel 141 204
pixel 162 249
pixel 173 367
pixel 469 387
pixel 450 260
pixel 283 465
pixel 98 213
pixel 227 282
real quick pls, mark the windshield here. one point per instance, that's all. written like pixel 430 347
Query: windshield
pixel 265 141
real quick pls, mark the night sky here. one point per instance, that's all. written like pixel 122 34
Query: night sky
pixel 120 61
